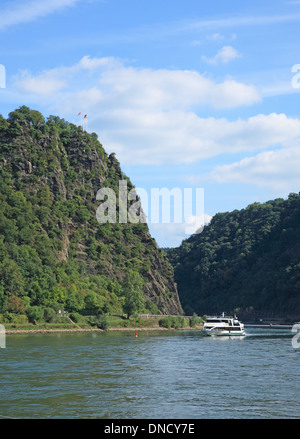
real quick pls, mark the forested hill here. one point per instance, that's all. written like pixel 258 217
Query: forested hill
pixel 53 251
pixel 247 259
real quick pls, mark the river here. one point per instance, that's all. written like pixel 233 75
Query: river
pixel 158 375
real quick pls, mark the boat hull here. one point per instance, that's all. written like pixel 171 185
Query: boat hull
pixel 222 332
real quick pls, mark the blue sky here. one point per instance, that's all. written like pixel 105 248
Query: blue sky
pixel 188 94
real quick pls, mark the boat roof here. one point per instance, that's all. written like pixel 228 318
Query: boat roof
pixel 221 317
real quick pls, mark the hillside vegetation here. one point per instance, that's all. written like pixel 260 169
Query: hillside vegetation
pixel 54 254
pixel 247 259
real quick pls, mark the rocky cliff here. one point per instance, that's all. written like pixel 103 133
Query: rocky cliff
pixel 53 250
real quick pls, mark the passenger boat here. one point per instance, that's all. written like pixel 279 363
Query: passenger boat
pixel 223 325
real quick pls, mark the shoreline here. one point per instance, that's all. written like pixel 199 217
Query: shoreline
pixel 53 331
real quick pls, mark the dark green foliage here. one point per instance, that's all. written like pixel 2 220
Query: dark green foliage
pixel 102 322
pixel 53 252
pixel 76 317
pixel 35 314
pixel 49 315
pixel 194 320
pixel 248 259
pixel 172 322
pixel 133 293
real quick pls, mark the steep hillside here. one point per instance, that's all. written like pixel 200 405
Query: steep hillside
pixel 247 259
pixel 53 251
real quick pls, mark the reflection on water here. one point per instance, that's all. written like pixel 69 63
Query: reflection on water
pixel 228 337
pixel 163 374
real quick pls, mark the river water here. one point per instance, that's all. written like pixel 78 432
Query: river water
pixel 158 375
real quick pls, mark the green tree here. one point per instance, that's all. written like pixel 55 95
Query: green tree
pixel 194 320
pixel 133 293
pixel 35 314
pixel 25 113
pixel 94 303
pixel 49 315
pixel 16 304
pixel 11 277
pixel 3 299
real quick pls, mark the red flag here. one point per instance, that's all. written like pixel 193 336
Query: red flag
pixel 79 113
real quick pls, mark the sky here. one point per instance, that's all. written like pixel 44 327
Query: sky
pixel 189 94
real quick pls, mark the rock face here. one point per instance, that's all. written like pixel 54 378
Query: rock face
pixel 50 174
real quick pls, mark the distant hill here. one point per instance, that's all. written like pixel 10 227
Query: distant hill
pixel 247 259
pixel 53 251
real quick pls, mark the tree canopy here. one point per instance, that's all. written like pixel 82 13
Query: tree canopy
pixel 247 259
pixel 133 293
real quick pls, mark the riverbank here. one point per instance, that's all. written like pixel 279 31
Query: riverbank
pixel 53 331
pixel 105 324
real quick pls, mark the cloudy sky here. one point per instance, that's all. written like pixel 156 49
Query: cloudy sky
pixel 188 94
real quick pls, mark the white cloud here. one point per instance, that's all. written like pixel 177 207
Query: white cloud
pixel 183 137
pixel 89 63
pixel 150 116
pixel 43 84
pixel 143 115
pixel 237 21
pixel 277 169
pixel 18 12
pixel 215 37
pixel 224 56
pixel 173 234
pixel 128 87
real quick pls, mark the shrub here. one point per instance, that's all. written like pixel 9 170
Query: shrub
pixel 20 318
pixel 49 315
pixel 194 320
pixel 35 314
pixel 178 322
pixel 7 317
pixel 165 322
pixel 76 317
pixel 172 322
pixel 101 322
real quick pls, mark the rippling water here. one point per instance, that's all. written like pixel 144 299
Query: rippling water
pixel 159 375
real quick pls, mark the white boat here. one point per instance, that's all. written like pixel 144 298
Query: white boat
pixel 223 325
